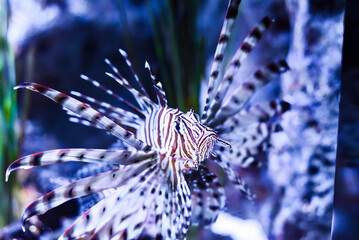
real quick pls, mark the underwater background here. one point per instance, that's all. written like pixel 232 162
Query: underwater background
pixel 52 42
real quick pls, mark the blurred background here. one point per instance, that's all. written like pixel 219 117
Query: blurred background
pixel 52 42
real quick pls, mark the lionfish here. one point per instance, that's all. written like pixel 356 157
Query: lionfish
pixel 161 179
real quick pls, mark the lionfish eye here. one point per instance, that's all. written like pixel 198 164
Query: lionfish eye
pixel 177 126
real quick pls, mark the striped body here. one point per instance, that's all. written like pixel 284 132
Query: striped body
pixel 161 181
pixel 180 135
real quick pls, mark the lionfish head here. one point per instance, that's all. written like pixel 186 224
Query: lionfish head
pixel 203 138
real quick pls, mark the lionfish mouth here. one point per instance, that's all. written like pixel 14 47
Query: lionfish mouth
pixel 207 150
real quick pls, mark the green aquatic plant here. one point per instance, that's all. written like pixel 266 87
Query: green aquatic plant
pixel 179 49
pixel 8 110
